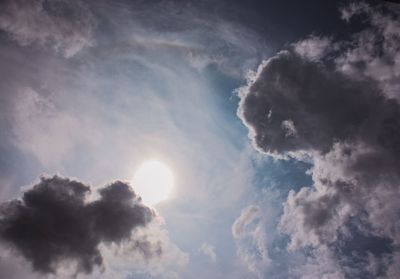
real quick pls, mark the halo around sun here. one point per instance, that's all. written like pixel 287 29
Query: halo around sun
pixel 153 181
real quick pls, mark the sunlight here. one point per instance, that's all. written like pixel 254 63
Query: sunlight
pixel 153 181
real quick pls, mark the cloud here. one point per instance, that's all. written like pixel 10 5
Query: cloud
pixel 249 233
pixel 314 47
pixel 189 30
pixel 65 26
pixel 343 118
pixel 320 264
pixel 374 52
pixel 54 224
pixel 209 251
pixel 42 128
pixel 352 9
pixel 127 260
pixel 290 94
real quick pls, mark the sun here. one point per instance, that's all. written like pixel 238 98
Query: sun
pixel 153 181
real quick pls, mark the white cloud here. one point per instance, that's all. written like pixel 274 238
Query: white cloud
pixel 209 251
pixel 249 233
pixel 289 128
pixel 314 48
pixel 125 260
pixel 375 51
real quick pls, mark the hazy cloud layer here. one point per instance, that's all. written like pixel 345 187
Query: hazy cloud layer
pixel 65 26
pixel 342 117
pixel 54 224
pixel 149 87
pixel 42 128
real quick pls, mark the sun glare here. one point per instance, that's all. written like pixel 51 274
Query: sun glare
pixel 153 181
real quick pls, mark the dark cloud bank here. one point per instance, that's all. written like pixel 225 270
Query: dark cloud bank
pixel 54 224
pixel 336 103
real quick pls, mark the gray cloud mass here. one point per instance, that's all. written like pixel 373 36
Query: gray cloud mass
pixel 348 124
pixel 54 224
pixel 323 106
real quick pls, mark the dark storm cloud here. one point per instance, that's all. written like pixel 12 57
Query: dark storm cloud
pixel 295 104
pixel 66 26
pixel 53 224
pixel 344 116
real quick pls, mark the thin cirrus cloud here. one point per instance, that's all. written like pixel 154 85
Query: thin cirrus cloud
pixel 93 103
pixel 249 233
pixel 347 124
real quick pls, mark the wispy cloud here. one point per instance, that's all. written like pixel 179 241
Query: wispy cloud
pixel 250 236
pixel 65 26
pixel 209 251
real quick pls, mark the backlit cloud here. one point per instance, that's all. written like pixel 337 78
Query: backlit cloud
pixel 345 120
pixel 54 224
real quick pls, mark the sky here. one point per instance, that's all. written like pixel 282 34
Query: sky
pixel 279 121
